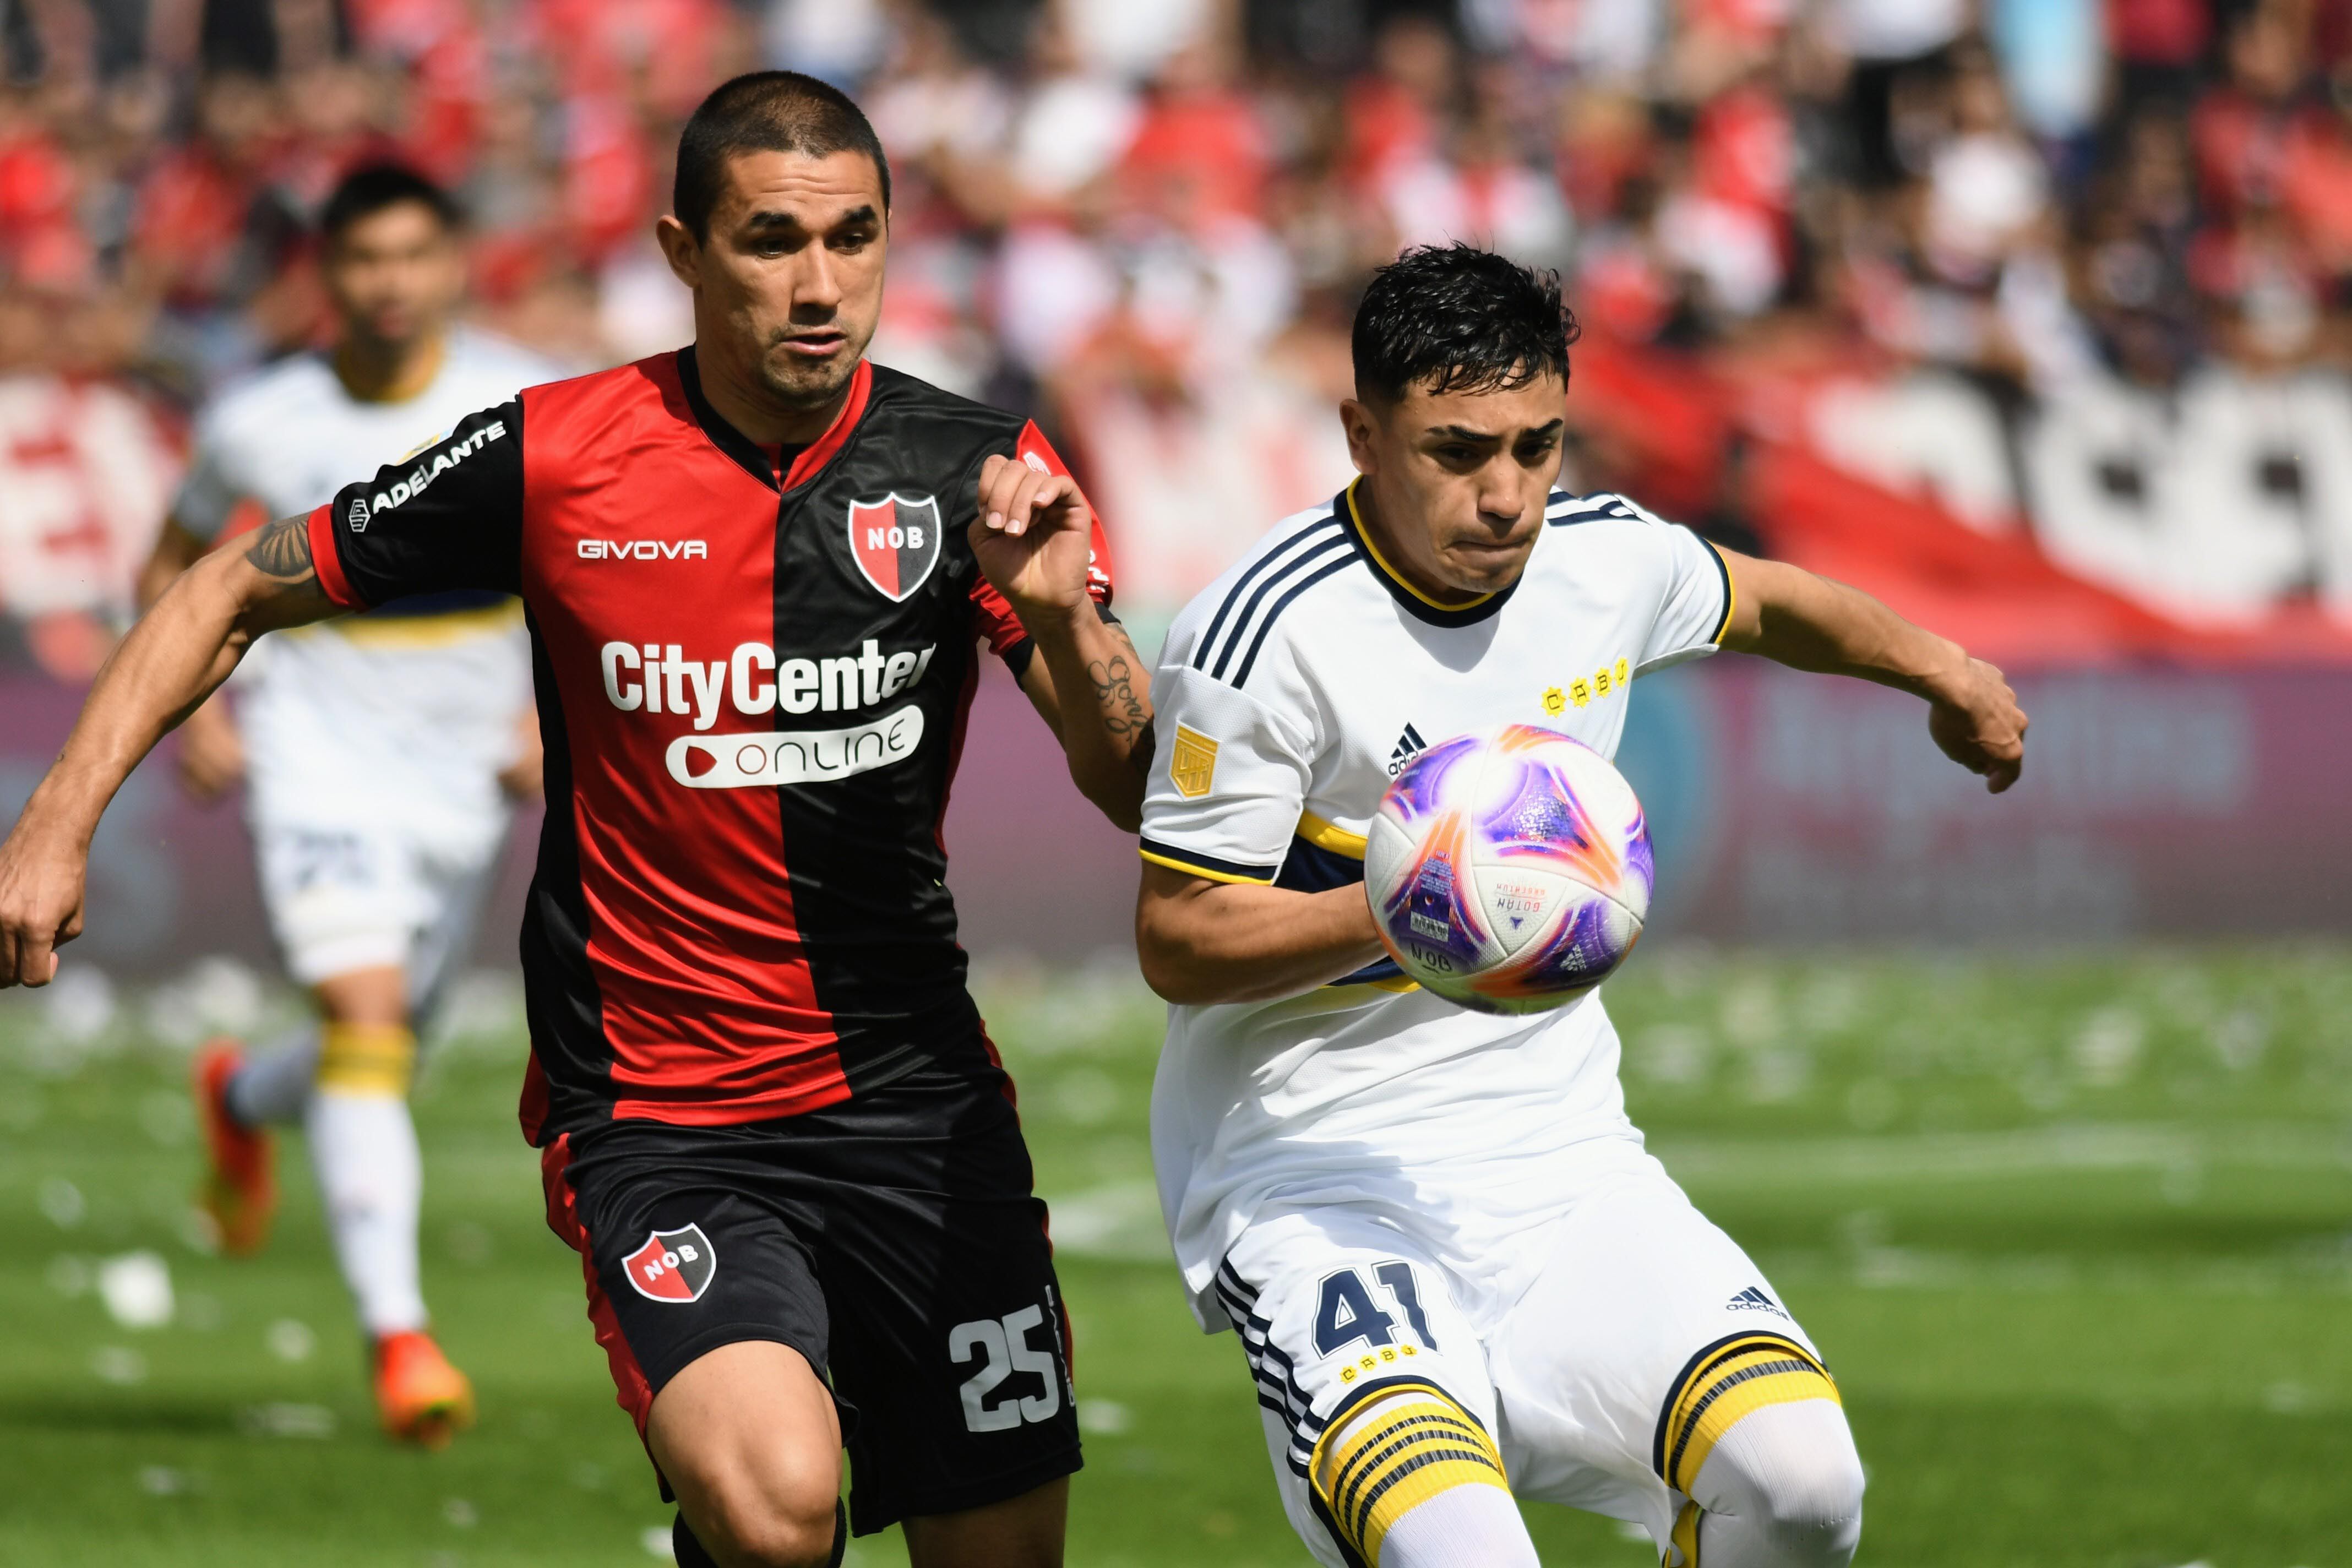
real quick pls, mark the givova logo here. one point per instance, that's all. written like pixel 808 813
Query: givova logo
pixel 644 550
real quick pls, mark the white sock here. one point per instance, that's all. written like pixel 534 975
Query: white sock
pixel 1461 1527
pixel 1783 1489
pixel 273 1086
pixel 363 1148
pixel 1413 1441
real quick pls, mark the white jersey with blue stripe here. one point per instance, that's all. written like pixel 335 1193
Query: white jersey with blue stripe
pixel 1288 695
pixel 405 713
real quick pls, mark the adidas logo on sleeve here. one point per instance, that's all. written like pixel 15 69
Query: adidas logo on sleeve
pixel 1754 1300
pixel 1409 745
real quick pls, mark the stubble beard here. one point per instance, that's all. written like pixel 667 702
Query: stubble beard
pixel 817 387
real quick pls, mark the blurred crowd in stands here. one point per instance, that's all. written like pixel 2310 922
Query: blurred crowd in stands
pixel 2075 271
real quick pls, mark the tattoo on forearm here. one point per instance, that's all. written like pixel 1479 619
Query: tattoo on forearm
pixel 1123 713
pixel 1122 707
pixel 282 551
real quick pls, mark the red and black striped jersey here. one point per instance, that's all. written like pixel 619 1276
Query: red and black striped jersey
pixel 752 691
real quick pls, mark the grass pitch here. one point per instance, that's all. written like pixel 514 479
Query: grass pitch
pixel 2077 1236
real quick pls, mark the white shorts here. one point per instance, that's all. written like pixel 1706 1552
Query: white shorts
pixel 344 897
pixel 374 756
pixel 1633 1294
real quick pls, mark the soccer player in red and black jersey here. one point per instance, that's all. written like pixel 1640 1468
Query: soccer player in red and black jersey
pixel 755 572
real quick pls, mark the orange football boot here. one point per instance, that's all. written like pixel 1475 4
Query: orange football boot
pixel 240 1186
pixel 422 1398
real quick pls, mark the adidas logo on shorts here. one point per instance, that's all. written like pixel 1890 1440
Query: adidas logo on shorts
pixel 1409 745
pixel 1754 1300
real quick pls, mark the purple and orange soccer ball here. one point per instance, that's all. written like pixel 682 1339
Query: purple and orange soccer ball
pixel 1509 872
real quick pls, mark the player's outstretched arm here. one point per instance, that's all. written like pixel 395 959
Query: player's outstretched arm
pixel 1807 622
pixel 1205 942
pixel 211 753
pixel 1034 536
pixel 180 650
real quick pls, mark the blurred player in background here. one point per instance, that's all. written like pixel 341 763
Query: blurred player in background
pixel 1454 1269
pixel 382 755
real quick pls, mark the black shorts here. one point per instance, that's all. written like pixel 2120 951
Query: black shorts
pixel 892 1239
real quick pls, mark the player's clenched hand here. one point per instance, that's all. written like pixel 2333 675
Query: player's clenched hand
pixel 40 906
pixel 1034 536
pixel 1979 725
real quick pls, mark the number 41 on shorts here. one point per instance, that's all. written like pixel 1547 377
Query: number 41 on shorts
pixel 1347 1314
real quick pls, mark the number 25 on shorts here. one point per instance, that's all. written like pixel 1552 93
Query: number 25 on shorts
pixel 1002 1343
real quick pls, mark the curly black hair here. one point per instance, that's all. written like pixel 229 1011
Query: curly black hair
pixel 1459 318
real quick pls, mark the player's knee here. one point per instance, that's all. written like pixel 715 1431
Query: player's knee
pixel 1813 1509
pixel 1792 1470
pixel 767 1526
pixel 1398 1449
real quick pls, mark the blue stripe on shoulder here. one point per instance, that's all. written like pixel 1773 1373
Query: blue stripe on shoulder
pixel 1562 511
pixel 1347 558
pixel 1307 560
pixel 1276 560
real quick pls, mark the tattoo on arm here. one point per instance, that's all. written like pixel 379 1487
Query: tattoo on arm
pixel 1123 710
pixel 282 551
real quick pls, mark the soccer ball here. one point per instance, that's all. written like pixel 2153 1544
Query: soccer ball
pixel 1509 872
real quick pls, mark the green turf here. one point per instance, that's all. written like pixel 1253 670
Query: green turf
pixel 2077 1236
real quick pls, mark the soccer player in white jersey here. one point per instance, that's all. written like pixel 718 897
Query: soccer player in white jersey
pixel 1456 1274
pixel 381 753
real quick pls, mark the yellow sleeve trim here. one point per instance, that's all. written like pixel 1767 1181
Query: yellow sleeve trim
pixel 1395 983
pixel 1730 591
pixel 1203 872
pixel 411 632
pixel 1326 835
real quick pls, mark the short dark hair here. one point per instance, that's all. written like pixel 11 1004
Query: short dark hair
pixel 369 189
pixel 765 111
pixel 1461 319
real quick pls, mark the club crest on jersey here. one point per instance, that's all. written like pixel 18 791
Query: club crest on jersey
pixel 895 541
pixel 673 1265
pixel 1193 767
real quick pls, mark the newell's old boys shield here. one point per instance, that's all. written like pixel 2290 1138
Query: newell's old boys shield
pixel 673 1265
pixel 895 541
